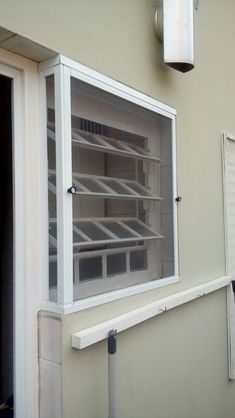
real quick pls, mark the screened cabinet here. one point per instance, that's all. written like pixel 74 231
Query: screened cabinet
pixel 111 210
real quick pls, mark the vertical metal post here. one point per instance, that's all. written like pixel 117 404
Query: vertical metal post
pixel 112 373
pixel 63 181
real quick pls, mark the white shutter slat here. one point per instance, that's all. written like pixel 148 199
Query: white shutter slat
pixel 110 145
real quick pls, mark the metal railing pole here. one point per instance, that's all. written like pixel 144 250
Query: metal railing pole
pixel 112 373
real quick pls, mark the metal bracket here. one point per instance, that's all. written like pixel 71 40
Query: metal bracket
pixel 158 19
pixel 112 342
pixel 196 4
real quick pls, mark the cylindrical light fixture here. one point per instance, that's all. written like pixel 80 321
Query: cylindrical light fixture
pixel 178 31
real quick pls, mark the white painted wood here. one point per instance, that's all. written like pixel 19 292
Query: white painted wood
pixel 92 335
pixel 27 253
pixel 64 181
pixel 108 84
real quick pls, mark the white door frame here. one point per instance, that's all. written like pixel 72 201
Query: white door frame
pixel 26 229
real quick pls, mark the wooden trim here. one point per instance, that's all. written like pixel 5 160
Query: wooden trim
pixel 92 335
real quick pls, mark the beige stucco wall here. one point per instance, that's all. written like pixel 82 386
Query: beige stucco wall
pixel 174 366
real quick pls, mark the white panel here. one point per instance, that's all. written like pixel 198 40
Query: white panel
pixel 229 211
pixel 229 191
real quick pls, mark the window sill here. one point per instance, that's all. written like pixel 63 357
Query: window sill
pixel 90 302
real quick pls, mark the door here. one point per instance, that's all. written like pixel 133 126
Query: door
pixel 21 231
pixel 6 242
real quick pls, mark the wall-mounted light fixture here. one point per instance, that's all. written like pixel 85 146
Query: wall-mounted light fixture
pixel 175 28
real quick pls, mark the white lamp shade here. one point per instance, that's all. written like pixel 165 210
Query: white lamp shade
pixel 178 34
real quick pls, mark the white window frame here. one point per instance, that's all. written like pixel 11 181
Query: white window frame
pixel 63 69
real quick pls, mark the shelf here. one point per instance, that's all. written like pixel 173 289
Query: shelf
pixel 101 231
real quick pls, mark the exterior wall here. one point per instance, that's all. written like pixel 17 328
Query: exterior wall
pixel 174 365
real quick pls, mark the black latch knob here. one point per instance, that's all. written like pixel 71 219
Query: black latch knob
pixel 178 199
pixel 112 342
pixel 72 190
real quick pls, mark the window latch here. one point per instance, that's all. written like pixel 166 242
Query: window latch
pixel 178 199
pixel 72 190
